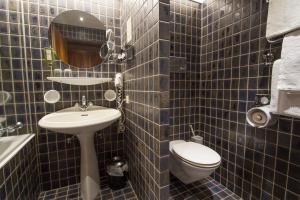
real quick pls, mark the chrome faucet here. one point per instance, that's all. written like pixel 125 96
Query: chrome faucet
pixel 84 105
pixel 10 129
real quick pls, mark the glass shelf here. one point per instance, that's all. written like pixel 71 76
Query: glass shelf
pixel 80 80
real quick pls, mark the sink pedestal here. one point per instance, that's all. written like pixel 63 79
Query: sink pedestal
pixel 89 172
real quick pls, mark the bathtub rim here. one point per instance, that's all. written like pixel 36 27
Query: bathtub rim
pixel 17 149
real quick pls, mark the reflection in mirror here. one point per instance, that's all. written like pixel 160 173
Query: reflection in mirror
pixel 77 37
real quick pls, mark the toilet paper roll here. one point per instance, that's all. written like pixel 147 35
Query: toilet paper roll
pixel 260 117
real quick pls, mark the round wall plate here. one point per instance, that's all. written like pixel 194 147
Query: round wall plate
pixel 2 119
pixel 52 96
pixel 110 95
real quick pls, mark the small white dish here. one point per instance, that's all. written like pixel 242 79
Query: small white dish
pixel 52 96
pixel 110 95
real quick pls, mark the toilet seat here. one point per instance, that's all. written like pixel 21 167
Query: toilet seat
pixel 186 161
pixel 196 154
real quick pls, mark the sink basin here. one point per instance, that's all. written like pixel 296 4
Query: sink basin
pixel 83 124
pixel 74 121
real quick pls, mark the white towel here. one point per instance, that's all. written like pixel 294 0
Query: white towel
pixel 285 89
pixel 289 73
pixel 283 17
pixel 274 87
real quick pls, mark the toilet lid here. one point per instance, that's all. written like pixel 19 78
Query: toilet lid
pixel 197 154
pixel 174 142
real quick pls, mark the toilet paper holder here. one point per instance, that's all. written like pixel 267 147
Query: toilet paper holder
pixel 260 117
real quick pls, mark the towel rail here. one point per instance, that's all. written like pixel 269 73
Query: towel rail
pixel 274 41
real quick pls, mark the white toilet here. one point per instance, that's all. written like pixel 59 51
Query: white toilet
pixel 191 161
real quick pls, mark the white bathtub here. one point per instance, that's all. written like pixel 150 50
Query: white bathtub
pixel 11 145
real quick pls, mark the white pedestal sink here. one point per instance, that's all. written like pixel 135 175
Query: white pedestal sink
pixel 83 124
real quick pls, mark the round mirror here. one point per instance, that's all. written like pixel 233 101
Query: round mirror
pixel 77 37
pixel 52 96
pixel 110 95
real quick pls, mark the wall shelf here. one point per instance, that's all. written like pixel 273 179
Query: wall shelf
pixel 81 81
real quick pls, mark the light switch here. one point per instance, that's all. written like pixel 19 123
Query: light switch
pixel 127 100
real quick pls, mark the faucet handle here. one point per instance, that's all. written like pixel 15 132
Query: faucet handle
pixel 90 104
pixel 19 125
pixel 10 129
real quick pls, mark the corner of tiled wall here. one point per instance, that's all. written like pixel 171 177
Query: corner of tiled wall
pixel 147 84
pixel 185 38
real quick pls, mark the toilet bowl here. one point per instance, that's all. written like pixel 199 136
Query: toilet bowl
pixel 190 161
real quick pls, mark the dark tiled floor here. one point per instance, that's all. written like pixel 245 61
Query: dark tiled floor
pixel 206 189
pixel 72 192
